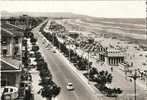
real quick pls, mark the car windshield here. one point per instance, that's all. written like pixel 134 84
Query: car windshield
pixel 70 84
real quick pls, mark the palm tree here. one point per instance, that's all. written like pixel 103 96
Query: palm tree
pixel 103 78
pixel 24 42
pixel 92 73
pixel 117 91
pixel 35 48
pixel 33 41
pixel 38 55
pixel 25 57
pixel 50 90
pixel 40 62
pixel 30 34
pixel 113 92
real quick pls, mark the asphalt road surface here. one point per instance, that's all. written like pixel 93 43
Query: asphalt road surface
pixel 62 74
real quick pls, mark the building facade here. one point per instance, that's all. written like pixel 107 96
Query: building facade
pixel 10 44
pixel 112 57
pixel 11 66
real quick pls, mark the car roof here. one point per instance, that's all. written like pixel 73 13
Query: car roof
pixel 69 83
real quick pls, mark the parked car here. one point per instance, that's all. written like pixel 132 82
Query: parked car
pixel 54 51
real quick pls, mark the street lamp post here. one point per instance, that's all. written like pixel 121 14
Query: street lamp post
pixel 126 71
pixel 89 63
pixel 69 52
pixel 146 80
pixel 68 42
pixel 134 77
pixel 145 77
pixel 59 44
pixel 53 38
pixel 59 41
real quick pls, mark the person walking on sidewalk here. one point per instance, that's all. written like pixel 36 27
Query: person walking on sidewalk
pixel 111 69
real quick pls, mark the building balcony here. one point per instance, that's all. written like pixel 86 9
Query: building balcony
pixel 10 65
pixel 4 43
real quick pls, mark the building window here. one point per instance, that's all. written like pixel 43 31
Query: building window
pixel 3 82
pixel 4 52
pixel 6 90
pixel 16 40
pixel 4 41
pixel 15 51
pixel 11 90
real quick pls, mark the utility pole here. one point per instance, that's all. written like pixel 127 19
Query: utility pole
pixel 134 77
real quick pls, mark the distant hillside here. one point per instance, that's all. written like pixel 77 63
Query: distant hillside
pixel 36 14
pixel 72 15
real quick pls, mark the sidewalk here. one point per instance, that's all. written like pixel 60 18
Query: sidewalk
pixel 35 78
pixel 35 74
pixel 35 85
pixel 118 75
pixel 119 80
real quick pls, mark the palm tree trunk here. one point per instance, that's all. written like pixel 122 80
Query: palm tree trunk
pixel 49 98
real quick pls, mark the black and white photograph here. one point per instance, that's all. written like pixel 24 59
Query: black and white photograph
pixel 73 50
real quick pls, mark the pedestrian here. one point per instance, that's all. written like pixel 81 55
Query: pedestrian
pixel 43 41
pixel 40 91
pixel 111 69
pixel 47 45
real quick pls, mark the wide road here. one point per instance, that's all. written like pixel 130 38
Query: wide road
pixel 62 74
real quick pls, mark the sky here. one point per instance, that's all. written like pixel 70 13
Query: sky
pixel 112 9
